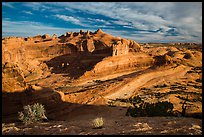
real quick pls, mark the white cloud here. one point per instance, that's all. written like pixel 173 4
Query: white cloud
pixel 68 18
pixel 121 22
pixel 75 20
pixel 131 27
pixel 7 4
pixel 13 28
pixel 27 12
pixel 43 7
pixel 93 20
pixel 38 6
pixel 186 17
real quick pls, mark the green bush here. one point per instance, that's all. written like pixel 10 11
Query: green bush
pixel 111 104
pixel 141 108
pixel 160 86
pixel 32 113
pixel 98 81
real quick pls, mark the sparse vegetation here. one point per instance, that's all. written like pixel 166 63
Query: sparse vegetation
pixel 160 86
pixel 196 86
pixel 199 80
pixel 100 73
pixel 141 108
pixel 145 89
pixel 98 123
pixel 111 104
pixel 98 81
pixel 185 105
pixel 195 70
pixel 32 113
pixel 178 87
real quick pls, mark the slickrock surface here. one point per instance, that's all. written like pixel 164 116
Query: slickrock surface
pixel 77 74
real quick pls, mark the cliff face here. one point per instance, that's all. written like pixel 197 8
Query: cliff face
pixel 100 44
pixel 123 47
pixel 80 55
pixel 18 66
pixel 120 63
pixel 26 56
pixel 99 41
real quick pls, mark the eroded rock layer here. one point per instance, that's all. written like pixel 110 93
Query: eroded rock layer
pixel 91 68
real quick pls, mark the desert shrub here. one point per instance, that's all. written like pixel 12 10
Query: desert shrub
pixel 111 104
pixel 199 87
pixel 122 100
pixel 98 81
pixel 32 113
pixel 141 108
pixel 135 100
pixel 199 80
pixel 98 122
pixel 145 89
pixel 160 86
pixel 185 104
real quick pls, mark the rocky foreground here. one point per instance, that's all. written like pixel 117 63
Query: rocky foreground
pixel 83 75
pixel 119 126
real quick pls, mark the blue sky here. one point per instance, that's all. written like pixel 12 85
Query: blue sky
pixel 140 21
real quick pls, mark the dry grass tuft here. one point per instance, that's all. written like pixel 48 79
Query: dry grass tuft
pixel 98 123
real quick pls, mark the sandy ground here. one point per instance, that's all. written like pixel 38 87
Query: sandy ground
pixel 115 123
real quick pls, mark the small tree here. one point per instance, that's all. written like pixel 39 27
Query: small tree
pixel 185 105
pixel 32 113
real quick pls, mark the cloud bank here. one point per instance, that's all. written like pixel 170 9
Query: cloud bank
pixel 141 21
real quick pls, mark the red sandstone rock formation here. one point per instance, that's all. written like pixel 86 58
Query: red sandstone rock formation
pixel 90 42
pixel 77 57
pixel 21 53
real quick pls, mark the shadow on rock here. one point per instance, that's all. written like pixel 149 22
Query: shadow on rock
pixel 75 65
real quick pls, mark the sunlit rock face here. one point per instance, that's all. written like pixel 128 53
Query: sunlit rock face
pixel 22 54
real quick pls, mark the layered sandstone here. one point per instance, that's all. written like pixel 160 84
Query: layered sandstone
pixel 25 53
pixel 98 41
pixel 91 67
